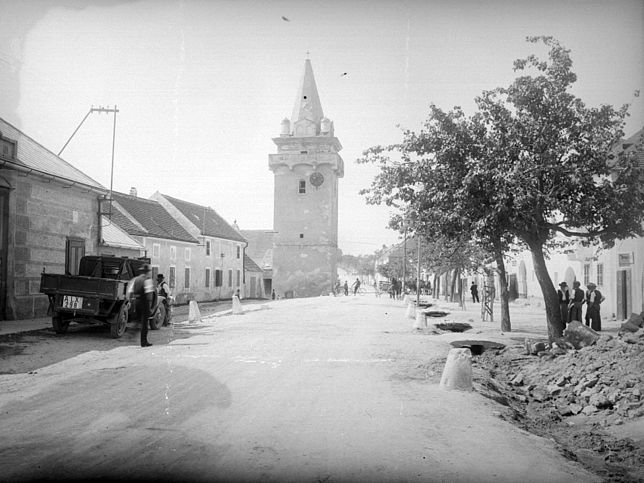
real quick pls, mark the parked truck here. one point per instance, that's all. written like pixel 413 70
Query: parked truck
pixel 99 293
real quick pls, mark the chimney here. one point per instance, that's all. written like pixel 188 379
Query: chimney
pixel 132 191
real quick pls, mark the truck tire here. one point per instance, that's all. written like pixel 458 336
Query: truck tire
pixel 118 324
pixel 59 323
pixel 159 317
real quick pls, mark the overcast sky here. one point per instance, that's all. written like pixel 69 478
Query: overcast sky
pixel 202 86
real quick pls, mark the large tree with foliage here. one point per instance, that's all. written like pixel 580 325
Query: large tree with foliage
pixel 539 163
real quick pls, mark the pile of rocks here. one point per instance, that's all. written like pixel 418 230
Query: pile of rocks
pixel 606 377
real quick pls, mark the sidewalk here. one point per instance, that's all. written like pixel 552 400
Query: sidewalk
pixel 25 325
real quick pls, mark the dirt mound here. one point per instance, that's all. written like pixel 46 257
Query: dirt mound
pixel 576 397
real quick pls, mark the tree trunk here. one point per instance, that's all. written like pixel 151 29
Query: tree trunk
pixel 553 314
pixel 505 293
pixel 437 285
pixel 455 278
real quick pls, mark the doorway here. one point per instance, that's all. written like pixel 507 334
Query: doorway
pixel 4 226
pixel 623 294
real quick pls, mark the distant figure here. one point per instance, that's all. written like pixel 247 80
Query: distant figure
pixel 337 290
pixel 143 289
pixel 346 288
pixel 474 289
pixel 376 289
pixel 564 301
pixel 356 286
pixel 273 294
pixel 578 296
pixel 593 300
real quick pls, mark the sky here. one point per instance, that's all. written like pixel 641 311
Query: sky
pixel 202 86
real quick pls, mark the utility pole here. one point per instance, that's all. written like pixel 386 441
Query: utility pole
pixel 418 275
pixel 99 110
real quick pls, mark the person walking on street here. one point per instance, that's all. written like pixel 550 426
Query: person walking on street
pixel 356 286
pixel 163 289
pixel 564 301
pixel 578 296
pixel 143 289
pixel 376 289
pixel 593 300
pixel 475 292
pixel 346 288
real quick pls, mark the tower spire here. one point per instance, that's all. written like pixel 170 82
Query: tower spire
pixel 307 111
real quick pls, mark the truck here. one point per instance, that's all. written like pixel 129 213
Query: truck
pixel 99 293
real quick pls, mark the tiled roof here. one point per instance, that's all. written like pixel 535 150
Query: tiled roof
pixel 154 219
pixel 206 220
pixel 250 265
pixel 31 154
pixel 635 143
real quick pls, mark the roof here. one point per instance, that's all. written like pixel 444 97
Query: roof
pixel 153 220
pixel 635 143
pixel 206 220
pixel 260 246
pixel 113 236
pixel 307 103
pixel 33 155
pixel 250 265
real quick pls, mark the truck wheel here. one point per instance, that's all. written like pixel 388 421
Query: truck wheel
pixel 119 323
pixel 60 324
pixel 159 317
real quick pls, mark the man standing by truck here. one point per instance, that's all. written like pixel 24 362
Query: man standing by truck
pixel 142 289
pixel 163 289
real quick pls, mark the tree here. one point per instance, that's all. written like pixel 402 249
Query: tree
pixel 532 166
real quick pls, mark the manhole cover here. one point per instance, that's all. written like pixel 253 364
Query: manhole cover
pixel 453 326
pixel 477 347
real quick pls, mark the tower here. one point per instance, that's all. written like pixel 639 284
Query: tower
pixel 307 167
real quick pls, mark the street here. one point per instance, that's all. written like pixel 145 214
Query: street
pixel 319 389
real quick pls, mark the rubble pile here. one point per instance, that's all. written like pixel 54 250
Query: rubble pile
pixel 573 394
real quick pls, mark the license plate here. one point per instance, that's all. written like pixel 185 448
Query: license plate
pixel 72 302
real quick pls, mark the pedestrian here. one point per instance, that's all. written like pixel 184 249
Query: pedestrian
pixel 576 302
pixel 564 301
pixel 594 298
pixel 356 286
pixel 376 289
pixel 143 289
pixel 273 294
pixel 474 289
pixel 163 289
pixel 346 288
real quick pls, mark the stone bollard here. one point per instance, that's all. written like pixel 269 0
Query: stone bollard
pixel 457 373
pixel 194 315
pixel 237 306
pixel 421 320
pixel 411 311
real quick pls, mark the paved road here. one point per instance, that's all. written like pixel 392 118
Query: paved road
pixel 325 389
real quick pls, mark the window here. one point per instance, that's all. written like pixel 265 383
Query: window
pixel 186 280
pixel 155 272
pixel 586 273
pixel 600 274
pixel 187 254
pixel 238 278
pixel 74 251
pixel 302 187
pixel 172 277
pixel 218 278
pixel 173 253
pixel 230 278
pixel 238 251
pixel 156 250
pixel 207 248
pixel 207 277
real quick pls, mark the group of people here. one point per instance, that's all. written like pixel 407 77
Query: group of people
pixel 571 305
pixel 339 289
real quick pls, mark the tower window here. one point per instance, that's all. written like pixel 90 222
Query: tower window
pixel 302 187
pixel 301 235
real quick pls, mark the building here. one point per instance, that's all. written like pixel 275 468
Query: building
pixel 260 250
pixel 217 266
pixel 49 219
pixel 171 249
pixel 306 168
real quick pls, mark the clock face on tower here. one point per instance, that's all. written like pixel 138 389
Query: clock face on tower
pixel 316 179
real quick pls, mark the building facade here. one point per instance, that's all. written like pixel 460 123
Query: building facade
pixel 306 168
pixel 49 219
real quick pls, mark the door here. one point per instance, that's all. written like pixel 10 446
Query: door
pixel 253 293
pixel 4 221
